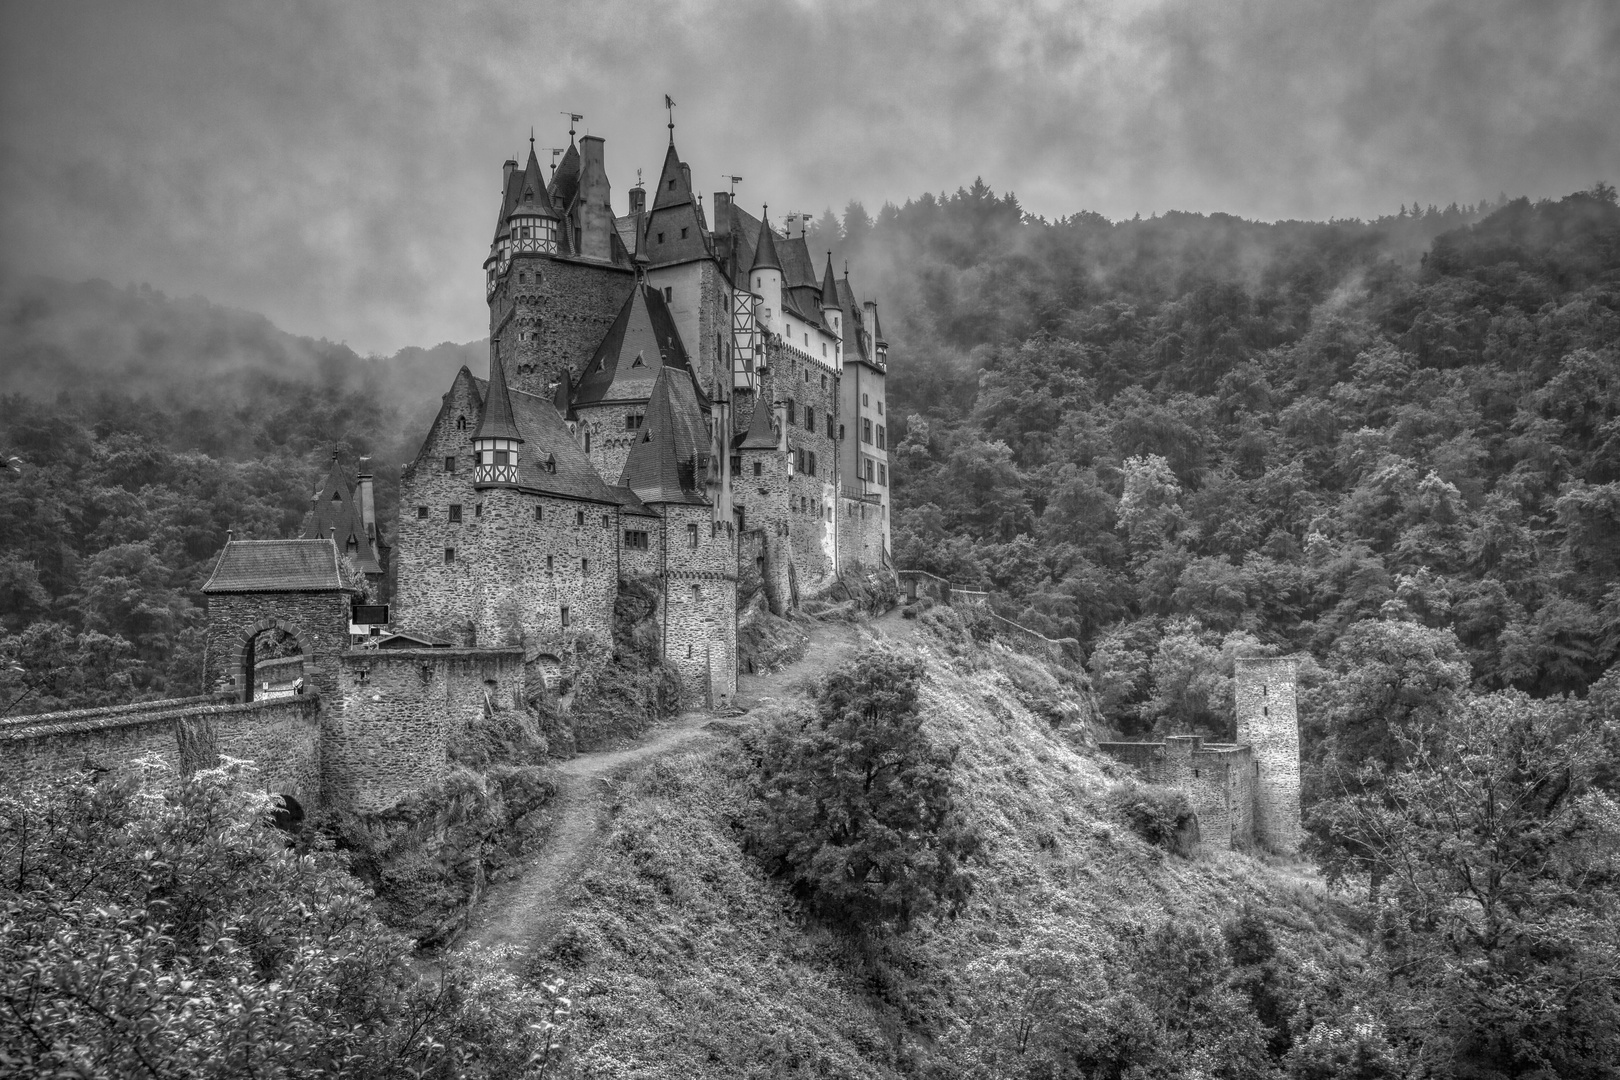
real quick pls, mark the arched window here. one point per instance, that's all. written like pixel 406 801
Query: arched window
pixel 461 423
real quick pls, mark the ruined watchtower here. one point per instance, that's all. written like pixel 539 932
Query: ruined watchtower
pixel 1268 722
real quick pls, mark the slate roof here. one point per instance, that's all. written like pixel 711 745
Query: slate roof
pixel 545 438
pixel 642 340
pixel 565 180
pixel 335 513
pixel 276 566
pixel 495 418
pixel 797 267
pixel 673 210
pixel 829 286
pixel 765 256
pixel 762 433
pixel 629 503
pixel 663 462
pixel 854 340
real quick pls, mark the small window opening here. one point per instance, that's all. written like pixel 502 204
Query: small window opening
pixel 450 463
pixel 449 556
pixel 539 513
pixel 421 511
pixel 565 614
pixel 579 517
pixel 455 512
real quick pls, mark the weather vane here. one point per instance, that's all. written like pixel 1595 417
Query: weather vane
pixel 573 118
pixel 669 103
pixel 735 180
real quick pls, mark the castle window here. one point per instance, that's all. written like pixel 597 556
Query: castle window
pixel 809 418
pixel 824 353
pixel 660 238
pixel 669 293
pixel 880 436
pixel 539 513
pixel 455 512
pixel 697 592
pixel 634 421
pixel 756 283
pixel 635 539
pixel 587 442
pixel 502 457
pixel 829 427
pixel 523 278
pixel 880 406
pixel 812 462
pixel 549 561
pixel 672 183
pixel 759 468
pixel 461 423
pixel 584 566
pixel 824 378
pixel 866 431
pixel 579 517
pixel 840 432
pixel 478 509
pixel 565 614
pixel 683 234
pixel 421 511
pixel 868 470
pixel 450 463
pixel 792 413
pixel 736 463
pixel 691 536
pixel 807 376
pixel 607 522
pixel 883 476
pixel 449 556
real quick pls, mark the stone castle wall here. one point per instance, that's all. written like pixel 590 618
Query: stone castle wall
pixel 1268 720
pixel 812 497
pixel 431 594
pixel 610 440
pixel 860 533
pixel 319 621
pixel 700 604
pixel 548 315
pixel 1217 779
pixel 388 735
pixel 280 736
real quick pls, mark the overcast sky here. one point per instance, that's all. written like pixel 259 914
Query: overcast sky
pixel 336 165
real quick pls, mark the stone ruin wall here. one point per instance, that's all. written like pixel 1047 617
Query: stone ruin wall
pixel 1268 721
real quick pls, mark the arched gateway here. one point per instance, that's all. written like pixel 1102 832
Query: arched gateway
pixel 294 586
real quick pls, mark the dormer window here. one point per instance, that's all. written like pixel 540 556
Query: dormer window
pixel 495 461
pixel 683 234
pixel 672 184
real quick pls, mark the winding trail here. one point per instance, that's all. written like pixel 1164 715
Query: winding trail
pixel 522 911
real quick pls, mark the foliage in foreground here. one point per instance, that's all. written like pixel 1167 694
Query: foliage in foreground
pixel 153 926
pixel 857 807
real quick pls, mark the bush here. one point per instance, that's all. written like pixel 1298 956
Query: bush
pixel 1162 817
pixel 857 808
pixel 154 926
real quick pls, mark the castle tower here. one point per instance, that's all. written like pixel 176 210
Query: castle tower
pixel 765 278
pixel 1267 720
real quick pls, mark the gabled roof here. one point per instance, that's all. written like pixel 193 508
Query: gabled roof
pixel 276 566
pixel 335 513
pixel 495 418
pixel 662 465
pixel 762 433
pixel 854 339
pixel 642 340
pixel 765 256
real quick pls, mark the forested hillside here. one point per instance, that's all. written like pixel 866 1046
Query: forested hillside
pixel 137 430
pixel 1180 437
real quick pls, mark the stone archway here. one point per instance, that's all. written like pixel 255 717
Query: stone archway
pixel 245 665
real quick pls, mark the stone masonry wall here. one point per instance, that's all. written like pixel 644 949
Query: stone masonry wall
pixel 1215 777
pixel 860 533
pixel 549 314
pixel 280 736
pixel 700 604
pixel 610 440
pixel 1268 720
pixel 812 498
pixel 389 735
pixel 431 594
pixel 527 569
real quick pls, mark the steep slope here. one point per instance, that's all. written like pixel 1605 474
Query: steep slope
pixel 682 958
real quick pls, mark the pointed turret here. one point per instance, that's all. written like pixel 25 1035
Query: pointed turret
pixel 829 287
pixel 496 421
pixel 662 465
pixel 765 257
pixel 761 433
pixel 672 186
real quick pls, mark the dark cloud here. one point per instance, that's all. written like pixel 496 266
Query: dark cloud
pixel 336 165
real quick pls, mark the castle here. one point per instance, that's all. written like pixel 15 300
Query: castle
pixel 667 399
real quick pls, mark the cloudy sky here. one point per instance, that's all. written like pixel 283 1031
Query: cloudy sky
pixel 336 165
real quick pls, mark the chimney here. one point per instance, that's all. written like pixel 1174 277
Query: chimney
pixel 595 200
pixel 368 503
pixel 506 173
pixel 638 199
pixel 230 535
pixel 722 213
pixel 686 176
pixel 795 226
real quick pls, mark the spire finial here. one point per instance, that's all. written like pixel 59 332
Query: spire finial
pixel 531 138
pixel 669 103
pixel 573 118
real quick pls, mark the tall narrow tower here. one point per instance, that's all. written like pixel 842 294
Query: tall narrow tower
pixel 1268 721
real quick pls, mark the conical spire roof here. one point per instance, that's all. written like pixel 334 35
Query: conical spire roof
pixel 761 431
pixel 672 186
pixel 661 466
pixel 829 286
pixel 765 257
pixel 531 189
pixel 496 422
pixel 565 181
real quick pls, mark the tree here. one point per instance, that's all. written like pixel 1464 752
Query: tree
pixel 858 810
pixel 1497 916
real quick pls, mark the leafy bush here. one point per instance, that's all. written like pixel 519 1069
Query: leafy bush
pixel 153 926
pixel 857 806
pixel 1162 817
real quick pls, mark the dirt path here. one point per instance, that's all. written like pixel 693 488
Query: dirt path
pixel 522 911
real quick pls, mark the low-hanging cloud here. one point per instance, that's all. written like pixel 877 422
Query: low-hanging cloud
pixel 336 166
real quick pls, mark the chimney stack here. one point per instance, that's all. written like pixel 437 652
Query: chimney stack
pixel 506 173
pixel 368 503
pixel 595 200
pixel 638 199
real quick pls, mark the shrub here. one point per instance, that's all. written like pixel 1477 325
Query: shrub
pixel 154 926
pixel 858 808
pixel 1162 817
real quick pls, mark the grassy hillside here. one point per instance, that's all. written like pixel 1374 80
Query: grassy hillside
pixel 683 958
